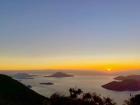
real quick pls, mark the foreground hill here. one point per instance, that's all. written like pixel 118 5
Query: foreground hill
pixel 13 92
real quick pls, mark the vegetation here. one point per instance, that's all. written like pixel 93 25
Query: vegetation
pixel 77 97
pixel 133 101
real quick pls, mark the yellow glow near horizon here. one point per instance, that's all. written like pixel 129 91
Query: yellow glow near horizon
pixel 109 69
pixel 70 63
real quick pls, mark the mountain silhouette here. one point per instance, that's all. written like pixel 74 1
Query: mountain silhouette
pixel 13 92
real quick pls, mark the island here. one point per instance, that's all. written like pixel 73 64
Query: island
pixel 135 77
pixel 60 75
pixel 47 83
pixel 124 83
pixel 22 76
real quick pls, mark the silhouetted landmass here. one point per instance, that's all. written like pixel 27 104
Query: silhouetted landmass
pixel 22 76
pixel 13 92
pixel 60 75
pixel 135 77
pixel 47 83
pixel 126 83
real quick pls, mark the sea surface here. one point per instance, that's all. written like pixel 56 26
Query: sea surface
pixel 86 83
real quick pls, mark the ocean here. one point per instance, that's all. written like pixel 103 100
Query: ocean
pixel 87 83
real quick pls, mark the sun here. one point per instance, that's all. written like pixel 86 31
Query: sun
pixel 109 69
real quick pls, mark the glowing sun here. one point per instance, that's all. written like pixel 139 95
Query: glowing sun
pixel 109 69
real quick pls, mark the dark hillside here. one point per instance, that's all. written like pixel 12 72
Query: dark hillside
pixel 13 92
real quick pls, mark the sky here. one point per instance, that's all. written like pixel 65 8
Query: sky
pixel 69 34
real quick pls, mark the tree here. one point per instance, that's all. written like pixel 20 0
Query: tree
pixel 133 101
pixel 75 92
pixel 108 101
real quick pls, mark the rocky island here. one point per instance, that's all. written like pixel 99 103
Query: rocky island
pixel 47 83
pixel 22 76
pixel 60 75
pixel 135 77
pixel 124 83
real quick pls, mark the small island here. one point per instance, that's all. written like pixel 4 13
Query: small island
pixel 47 83
pixel 60 75
pixel 22 76
pixel 124 83
pixel 135 77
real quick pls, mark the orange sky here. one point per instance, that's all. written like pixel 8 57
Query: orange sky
pixel 70 63
pixel 73 35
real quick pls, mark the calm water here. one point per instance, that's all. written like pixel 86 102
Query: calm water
pixel 86 83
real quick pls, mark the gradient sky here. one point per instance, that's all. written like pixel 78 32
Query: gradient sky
pixel 70 34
